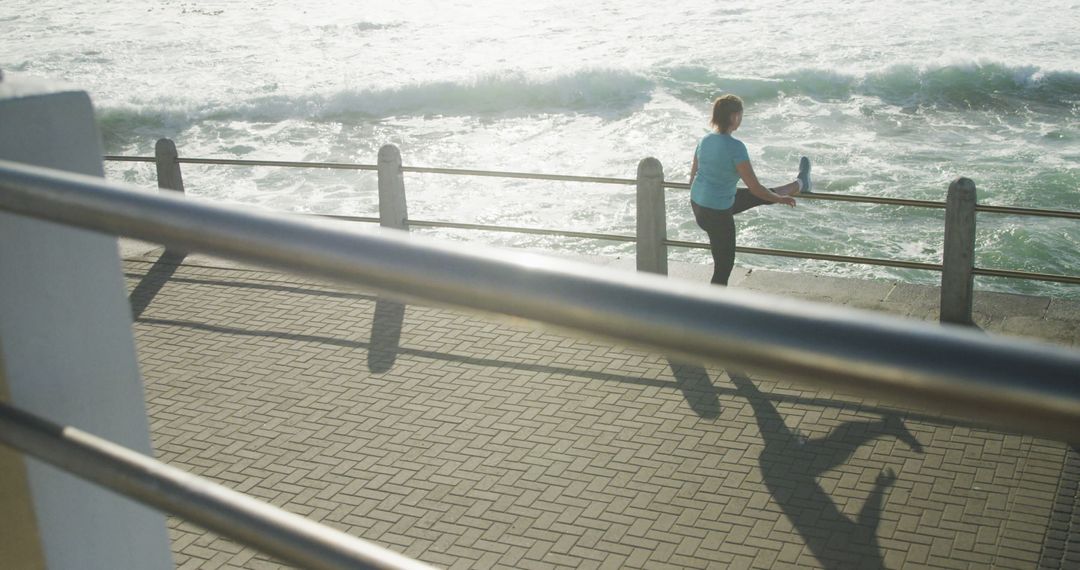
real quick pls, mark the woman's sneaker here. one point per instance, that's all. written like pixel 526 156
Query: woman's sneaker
pixel 804 175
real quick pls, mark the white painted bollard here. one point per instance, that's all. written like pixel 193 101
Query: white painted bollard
pixel 66 353
pixel 651 217
pixel 168 169
pixel 392 208
pixel 958 260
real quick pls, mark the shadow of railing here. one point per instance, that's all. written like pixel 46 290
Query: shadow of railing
pixel 152 282
pixel 702 395
pixel 429 354
pixel 385 330
pixel 385 335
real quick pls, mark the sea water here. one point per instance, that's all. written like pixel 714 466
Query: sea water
pixel 890 99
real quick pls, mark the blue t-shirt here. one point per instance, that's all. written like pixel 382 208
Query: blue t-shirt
pixel 716 179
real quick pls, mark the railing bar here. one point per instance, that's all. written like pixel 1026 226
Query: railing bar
pixel 484 227
pixel 1016 383
pixel 843 198
pixel 416 169
pixel 843 258
pixel 282 163
pixel 523 175
pixel 367 219
pixel 116 158
pixel 534 231
pixel 988 272
pixel 595 179
pixel 741 249
pixel 290 537
pixel 520 175
pixel 816 256
pixel 1028 212
pixel 874 200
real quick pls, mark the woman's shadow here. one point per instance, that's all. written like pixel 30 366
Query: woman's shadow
pixel 791 464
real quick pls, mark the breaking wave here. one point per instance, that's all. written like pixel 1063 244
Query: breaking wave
pixel 967 86
pixel 601 92
pixel 616 93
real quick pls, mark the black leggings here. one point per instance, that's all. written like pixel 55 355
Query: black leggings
pixel 720 225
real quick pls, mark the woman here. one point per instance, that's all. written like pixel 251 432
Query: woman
pixel 720 161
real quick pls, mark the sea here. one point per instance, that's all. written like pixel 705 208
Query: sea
pixel 887 98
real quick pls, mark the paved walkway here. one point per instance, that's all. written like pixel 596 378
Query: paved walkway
pixel 471 443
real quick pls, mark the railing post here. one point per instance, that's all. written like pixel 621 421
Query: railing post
pixel 958 260
pixel 392 209
pixel 168 169
pixel 651 217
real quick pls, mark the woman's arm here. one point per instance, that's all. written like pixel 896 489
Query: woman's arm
pixel 746 172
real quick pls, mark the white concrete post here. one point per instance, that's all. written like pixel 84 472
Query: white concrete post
pixel 651 217
pixel 66 352
pixel 392 208
pixel 168 170
pixel 958 260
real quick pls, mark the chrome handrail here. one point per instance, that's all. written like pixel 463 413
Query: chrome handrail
pixel 1014 383
pixel 290 537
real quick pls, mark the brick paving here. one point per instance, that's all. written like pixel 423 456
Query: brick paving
pixel 468 442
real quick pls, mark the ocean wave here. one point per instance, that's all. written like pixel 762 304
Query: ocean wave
pixel 590 91
pixel 982 86
pixel 974 86
pixel 615 93
pixel 599 92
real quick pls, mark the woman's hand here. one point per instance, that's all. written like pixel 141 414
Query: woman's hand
pixel 786 200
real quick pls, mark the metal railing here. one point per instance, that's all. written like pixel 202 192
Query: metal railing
pixel 169 154
pixel 290 537
pixel 1026 386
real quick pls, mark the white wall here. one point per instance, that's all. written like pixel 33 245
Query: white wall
pixel 65 337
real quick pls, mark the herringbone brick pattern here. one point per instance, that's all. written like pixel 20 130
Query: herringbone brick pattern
pixel 471 443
